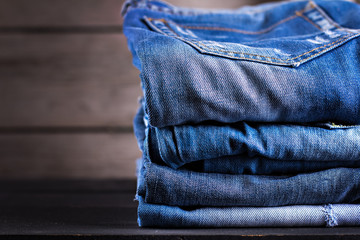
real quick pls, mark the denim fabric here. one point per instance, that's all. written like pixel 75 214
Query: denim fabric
pixel 163 185
pixel 261 166
pixel 197 146
pixel 237 108
pixel 151 215
pixel 286 62
pixel 179 145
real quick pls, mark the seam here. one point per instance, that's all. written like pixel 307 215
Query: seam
pixel 335 24
pixel 197 43
pixel 344 40
pixel 232 29
pixel 325 16
pixel 238 30
pixel 307 19
pixel 241 31
pixel 329 44
pixel 289 59
pixel 205 47
pixel 208 49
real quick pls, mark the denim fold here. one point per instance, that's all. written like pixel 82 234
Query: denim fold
pixel 281 62
pixel 303 148
pixel 179 145
pixel 263 166
pixel 249 117
pixel 163 185
pixel 327 215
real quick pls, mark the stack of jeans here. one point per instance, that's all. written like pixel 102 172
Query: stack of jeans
pixel 250 116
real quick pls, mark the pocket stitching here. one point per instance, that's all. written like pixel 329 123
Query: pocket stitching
pixel 337 41
pixel 238 30
pixel 216 51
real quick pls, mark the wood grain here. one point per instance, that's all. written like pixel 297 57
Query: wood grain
pixel 68 156
pixel 67 80
pixel 15 13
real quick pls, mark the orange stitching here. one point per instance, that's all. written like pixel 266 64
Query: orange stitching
pixel 256 55
pixel 206 47
pixel 238 30
pixel 326 17
pixel 307 19
pixel 235 30
pixel 264 61
pixel 298 13
pixel 346 36
pixel 344 40
pixel 335 24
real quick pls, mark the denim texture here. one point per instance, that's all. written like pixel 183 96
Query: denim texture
pixel 249 116
pixel 163 185
pixel 260 166
pixel 284 62
pixel 330 215
pixel 332 141
pixel 178 145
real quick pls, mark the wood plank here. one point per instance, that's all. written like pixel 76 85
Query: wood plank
pixel 24 13
pixel 83 155
pixel 67 80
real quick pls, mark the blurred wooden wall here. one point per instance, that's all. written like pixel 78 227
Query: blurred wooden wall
pixel 68 90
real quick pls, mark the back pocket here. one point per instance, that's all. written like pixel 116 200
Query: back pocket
pixel 297 38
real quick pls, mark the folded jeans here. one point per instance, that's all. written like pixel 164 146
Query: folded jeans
pixel 329 215
pixel 280 62
pixel 166 186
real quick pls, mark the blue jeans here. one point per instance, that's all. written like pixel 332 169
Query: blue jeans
pixel 179 145
pixel 280 62
pixel 249 148
pixel 292 61
pixel 330 215
pixel 166 186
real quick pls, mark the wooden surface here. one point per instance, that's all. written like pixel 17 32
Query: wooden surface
pixel 87 209
pixel 67 80
pixel 68 154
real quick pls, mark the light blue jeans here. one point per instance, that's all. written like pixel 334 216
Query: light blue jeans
pixel 330 215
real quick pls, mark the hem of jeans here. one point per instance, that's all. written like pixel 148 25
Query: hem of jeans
pixel 197 224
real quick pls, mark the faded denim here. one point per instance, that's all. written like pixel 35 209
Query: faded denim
pixel 329 215
pixel 292 61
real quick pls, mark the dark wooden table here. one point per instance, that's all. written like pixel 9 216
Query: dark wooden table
pixel 104 209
